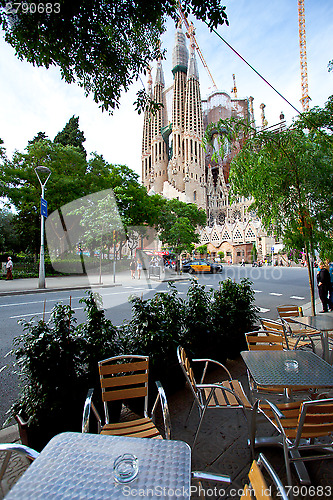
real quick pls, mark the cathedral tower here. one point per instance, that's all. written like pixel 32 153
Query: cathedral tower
pixel 179 70
pixel 147 172
pixel 159 150
pixel 194 177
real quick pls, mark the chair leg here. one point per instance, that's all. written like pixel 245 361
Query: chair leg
pixel 198 428
pixel 288 469
pixel 189 413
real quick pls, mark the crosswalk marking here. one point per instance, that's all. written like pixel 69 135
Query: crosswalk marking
pixel 277 294
pixel 297 297
pixel 257 291
pixel 263 310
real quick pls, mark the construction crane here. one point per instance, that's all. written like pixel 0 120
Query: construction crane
pixel 303 59
pixel 191 34
pixel 234 89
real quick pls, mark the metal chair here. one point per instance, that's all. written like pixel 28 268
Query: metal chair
pixel 227 394
pixel 300 426
pixel 257 485
pixel 8 449
pixel 263 340
pixel 122 378
pixel 291 340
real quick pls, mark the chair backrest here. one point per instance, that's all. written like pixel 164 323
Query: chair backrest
pixel 187 370
pixel 264 341
pixel 288 311
pixel 271 325
pixel 124 377
pixel 258 483
pixel 315 419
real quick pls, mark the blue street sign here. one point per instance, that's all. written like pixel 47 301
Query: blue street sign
pixel 272 249
pixel 43 207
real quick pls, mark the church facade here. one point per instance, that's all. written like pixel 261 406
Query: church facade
pixel 175 164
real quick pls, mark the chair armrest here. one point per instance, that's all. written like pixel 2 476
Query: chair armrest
pixel 9 448
pixel 207 361
pixel 263 462
pixel 161 397
pixel 209 476
pixel 88 406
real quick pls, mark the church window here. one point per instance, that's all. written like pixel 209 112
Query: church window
pixel 215 237
pixel 194 195
pixel 237 235
pixel 221 218
pixel 250 235
pixel 226 235
pixel 204 238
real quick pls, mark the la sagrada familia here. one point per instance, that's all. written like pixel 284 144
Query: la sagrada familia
pixel 175 164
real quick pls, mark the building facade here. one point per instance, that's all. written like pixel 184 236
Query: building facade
pixel 175 165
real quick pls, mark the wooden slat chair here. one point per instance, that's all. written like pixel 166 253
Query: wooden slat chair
pixel 286 313
pixel 227 394
pixel 257 487
pixel 300 425
pixel 122 378
pixel 262 340
pixel 290 341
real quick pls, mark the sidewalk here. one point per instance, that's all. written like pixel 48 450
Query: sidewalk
pixel 30 285
pixel 222 445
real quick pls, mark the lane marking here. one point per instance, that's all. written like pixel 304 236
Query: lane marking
pixel 39 313
pixel 263 310
pixel 277 294
pixel 297 297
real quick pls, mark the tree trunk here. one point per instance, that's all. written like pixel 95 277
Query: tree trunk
pixel 311 280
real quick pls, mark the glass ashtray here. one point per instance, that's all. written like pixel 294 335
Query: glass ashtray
pixel 291 365
pixel 125 468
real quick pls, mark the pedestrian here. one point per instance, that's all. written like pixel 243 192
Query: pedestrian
pixel 133 268
pixel 243 262
pixel 330 298
pixel 324 285
pixel 9 267
pixel 139 268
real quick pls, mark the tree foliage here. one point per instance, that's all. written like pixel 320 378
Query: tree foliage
pixel 71 135
pixel 102 46
pixel 178 222
pixel 289 174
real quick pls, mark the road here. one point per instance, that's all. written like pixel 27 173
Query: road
pixel 272 286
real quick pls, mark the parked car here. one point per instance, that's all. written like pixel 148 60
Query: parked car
pixel 201 266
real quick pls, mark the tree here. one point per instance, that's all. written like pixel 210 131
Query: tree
pixel 202 250
pixel 22 187
pixel 177 224
pixel 8 239
pixel 71 135
pixel 41 136
pixel 102 46
pixel 289 174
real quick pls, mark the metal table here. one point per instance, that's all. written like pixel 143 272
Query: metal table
pixel 323 323
pixel 268 369
pixel 80 466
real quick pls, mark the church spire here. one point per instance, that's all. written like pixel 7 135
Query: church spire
pixel 179 53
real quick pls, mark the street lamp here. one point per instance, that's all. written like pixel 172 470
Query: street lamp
pixel 44 171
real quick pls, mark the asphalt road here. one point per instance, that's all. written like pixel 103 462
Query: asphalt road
pixel 272 286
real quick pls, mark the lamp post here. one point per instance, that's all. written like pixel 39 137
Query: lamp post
pixel 43 215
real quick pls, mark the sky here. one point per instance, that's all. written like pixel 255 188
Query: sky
pixel 264 33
